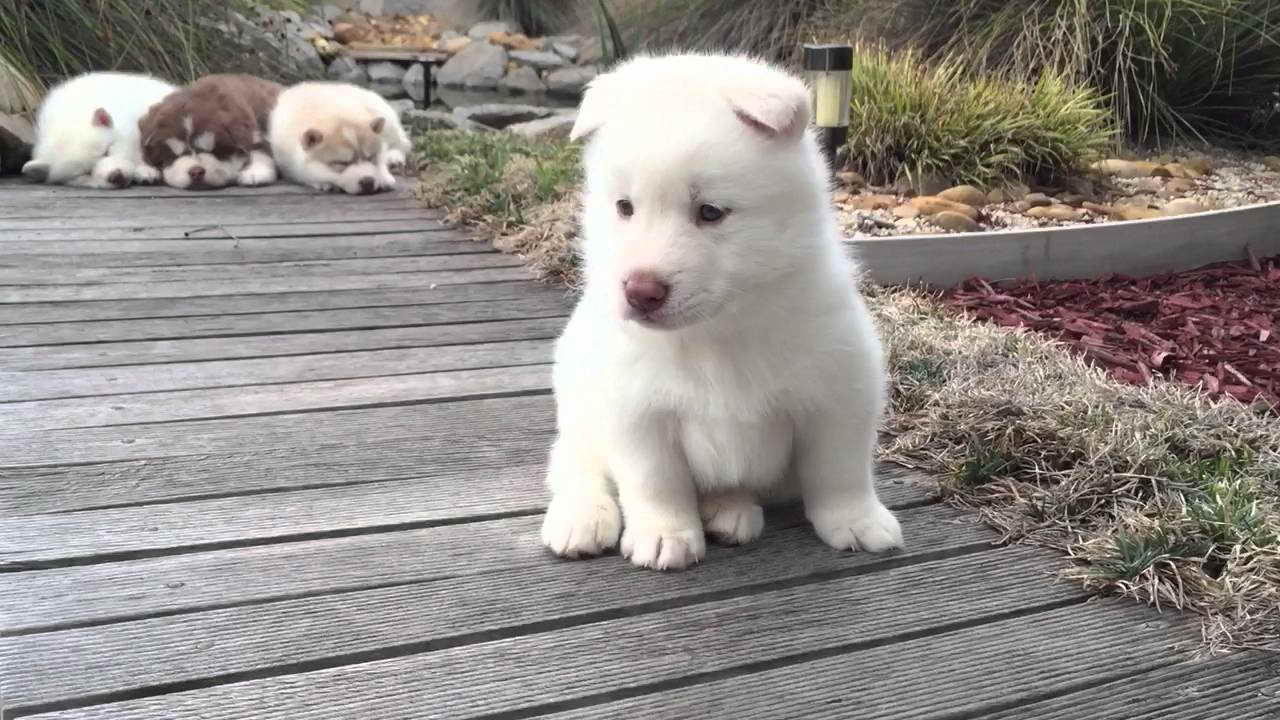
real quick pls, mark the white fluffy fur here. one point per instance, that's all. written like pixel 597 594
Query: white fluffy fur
pixel 314 104
pixel 71 149
pixel 762 376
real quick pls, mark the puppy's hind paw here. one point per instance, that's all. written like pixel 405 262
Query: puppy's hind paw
pixel 731 518
pixel 252 176
pixel 583 526
pixel 146 175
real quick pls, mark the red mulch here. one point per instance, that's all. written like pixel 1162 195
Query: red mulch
pixel 1215 326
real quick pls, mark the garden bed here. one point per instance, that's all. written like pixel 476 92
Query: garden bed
pixel 1214 327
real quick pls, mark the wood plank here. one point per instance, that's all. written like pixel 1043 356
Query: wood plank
pixel 540 305
pixel 54 255
pixel 504 268
pixel 962 674
pixel 867 665
pixel 87 382
pixel 238 229
pixel 108 592
pixel 291 397
pixel 148 352
pixel 18 187
pixel 104 663
pixel 1245 686
pixel 199 437
pixel 281 302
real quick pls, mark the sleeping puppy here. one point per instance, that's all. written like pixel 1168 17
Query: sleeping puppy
pixel 336 136
pixel 212 133
pixel 87 131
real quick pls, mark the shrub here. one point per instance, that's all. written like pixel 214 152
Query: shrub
pixel 1173 69
pixel 909 120
pixel 47 40
pixel 534 17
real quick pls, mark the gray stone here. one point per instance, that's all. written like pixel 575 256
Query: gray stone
pixel 409 7
pixel 440 118
pixel 565 50
pixel 557 126
pixel 401 106
pixel 590 53
pixel 312 29
pixel 369 7
pixel 303 56
pixel 571 80
pixel 522 80
pixel 478 65
pixel 344 69
pixel 498 116
pixel 482 31
pixel 538 59
pixel 387 79
pixel 415 82
pixel 448 35
pixel 329 13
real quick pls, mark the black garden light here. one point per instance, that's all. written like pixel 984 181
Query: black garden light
pixel 829 71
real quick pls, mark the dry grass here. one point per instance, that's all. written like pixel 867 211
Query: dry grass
pixel 1156 493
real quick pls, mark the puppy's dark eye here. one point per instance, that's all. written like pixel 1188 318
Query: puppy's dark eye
pixel 710 213
pixel 625 208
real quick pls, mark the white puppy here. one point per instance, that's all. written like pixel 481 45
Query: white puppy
pixel 720 354
pixel 336 136
pixel 87 131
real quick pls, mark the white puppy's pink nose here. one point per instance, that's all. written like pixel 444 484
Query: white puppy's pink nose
pixel 645 292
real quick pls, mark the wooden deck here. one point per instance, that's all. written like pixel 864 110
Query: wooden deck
pixel 266 454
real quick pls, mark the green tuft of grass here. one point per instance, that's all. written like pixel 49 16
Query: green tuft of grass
pixel 912 120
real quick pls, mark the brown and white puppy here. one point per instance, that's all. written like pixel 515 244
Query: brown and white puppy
pixel 212 133
pixel 337 137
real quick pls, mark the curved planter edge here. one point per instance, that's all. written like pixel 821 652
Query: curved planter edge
pixel 1138 247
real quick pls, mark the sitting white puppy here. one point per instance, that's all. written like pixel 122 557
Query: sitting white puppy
pixel 721 353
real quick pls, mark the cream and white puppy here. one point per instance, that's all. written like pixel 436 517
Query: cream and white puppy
pixel 337 136
pixel 721 354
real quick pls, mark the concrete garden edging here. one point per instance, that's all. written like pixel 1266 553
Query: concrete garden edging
pixel 1138 247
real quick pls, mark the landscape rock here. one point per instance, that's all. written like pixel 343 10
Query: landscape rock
pixel 1055 212
pixel 966 195
pixel 570 80
pixel 1272 162
pixel 522 80
pixel 329 13
pixel 933 205
pixel 565 50
pixel 482 31
pixel 454 45
pixel 401 106
pixel 344 69
pixel 478 65
pixel 1184 206
pixel 312 29
pixel 1177 186
pixel 873 202
pixel 906 211
pixel 499 116
pixel 849 178
pixel 1182 170
pixel 1072 199
pixel 1130 168
pixel 415 82
pixel 538 59
pixel 449 120
pixel 556 126
pixel 590 53
pixel 955 221
pixel 1123 212
pixel 387 79
pixel 515 41
pixel 1037 200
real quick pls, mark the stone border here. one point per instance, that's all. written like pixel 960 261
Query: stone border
pixel 1139 247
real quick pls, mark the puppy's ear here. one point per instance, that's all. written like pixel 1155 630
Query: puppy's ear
pixel 377 125
pixel 311 138
pixel 775 107
pixel 101 118
pixel 593 108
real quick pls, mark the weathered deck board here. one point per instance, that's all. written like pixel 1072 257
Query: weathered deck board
pixel 272 454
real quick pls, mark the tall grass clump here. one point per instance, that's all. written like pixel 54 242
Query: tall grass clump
pixel 47 40
pixel 912 120
pixel 1173 69
pixel 770 29
pixel 533 17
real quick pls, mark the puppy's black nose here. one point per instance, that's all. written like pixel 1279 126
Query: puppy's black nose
pixel 367 185
pixel 117 178
pixel 645 292
pixel 196 173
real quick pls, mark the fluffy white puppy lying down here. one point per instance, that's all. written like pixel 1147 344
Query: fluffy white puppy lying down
pixel 720 354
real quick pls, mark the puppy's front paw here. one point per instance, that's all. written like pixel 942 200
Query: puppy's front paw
pixel 663 547
pixel 146 175
pixel 386 181
pixel 254 175
pixel 395 159
pixel 868 526
pixel 583 526
pixel 323 187
pixel 732 518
